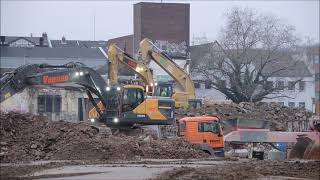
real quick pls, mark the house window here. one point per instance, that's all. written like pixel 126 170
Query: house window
pixel 280 85
pixel 291 104
pixel 208 84
pixel 281 103
pixel 302 85
pixel 196 85
pixel 291 85
pixel 49 103
pixel 302 104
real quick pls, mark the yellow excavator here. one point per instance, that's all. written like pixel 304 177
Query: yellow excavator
pixel 155 110
pixel 121 106
pixel 183 91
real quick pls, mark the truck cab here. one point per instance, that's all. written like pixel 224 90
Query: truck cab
pixel 203 130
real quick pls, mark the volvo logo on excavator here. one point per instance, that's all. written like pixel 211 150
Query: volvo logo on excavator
pixel 55 79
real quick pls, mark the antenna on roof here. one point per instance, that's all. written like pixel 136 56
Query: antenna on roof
pixel 41 39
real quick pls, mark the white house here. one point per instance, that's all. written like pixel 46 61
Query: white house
pixel 300 94
pixel 291 93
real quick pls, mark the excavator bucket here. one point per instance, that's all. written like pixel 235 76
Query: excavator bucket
pixel 305 148
pixel 312 151
pixel 300 147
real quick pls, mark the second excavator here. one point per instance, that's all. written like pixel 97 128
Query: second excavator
pixel 182 91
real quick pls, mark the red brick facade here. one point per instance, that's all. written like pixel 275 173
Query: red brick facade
pixel 124 42
pixel 162 21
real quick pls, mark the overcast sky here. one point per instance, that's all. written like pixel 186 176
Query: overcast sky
pixel 75 19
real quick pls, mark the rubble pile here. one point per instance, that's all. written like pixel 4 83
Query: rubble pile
pixel 281 117
pixel 26 137
pixel 248 170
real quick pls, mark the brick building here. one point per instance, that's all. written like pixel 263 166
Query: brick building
pixel 123 42
pixel 167 24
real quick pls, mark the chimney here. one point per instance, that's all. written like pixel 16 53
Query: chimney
pixel 44 35
pixel 3 38
pixel 41 41
pixel 63 40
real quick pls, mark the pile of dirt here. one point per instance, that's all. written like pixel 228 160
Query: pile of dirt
pixel 281 117
pixel 248 170
pixel 26 137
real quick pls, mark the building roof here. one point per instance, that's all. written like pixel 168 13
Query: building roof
pixel 290 66
pixel 33 40
pixel 198 52
pixel 46 52
pixel 78 44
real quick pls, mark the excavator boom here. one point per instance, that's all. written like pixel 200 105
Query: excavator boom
pixel 115 55
pixel 184 91
pixel 43 74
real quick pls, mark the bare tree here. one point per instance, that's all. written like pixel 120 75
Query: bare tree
pixel 252 48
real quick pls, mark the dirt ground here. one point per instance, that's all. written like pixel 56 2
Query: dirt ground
pixel 29 138
pixel 25 137
pixel 165 169
pixel 248 170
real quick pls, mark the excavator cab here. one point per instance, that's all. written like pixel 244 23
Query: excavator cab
pixel 164 90
pixel 132 96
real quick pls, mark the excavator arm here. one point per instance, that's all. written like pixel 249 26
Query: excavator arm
pixel 121 106
pixel 43 74
pixel 184 90
pixel 115 55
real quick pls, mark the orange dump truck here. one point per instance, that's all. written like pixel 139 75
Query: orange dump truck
pixel 203 130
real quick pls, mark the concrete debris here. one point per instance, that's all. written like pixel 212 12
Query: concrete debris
pixel 282 118
pixel 28 137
